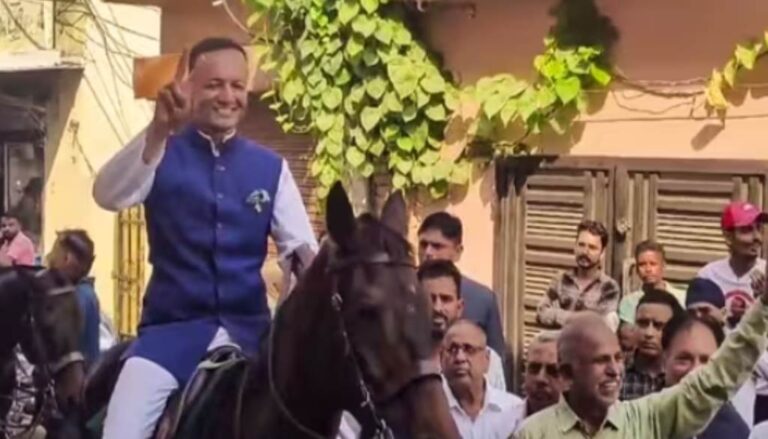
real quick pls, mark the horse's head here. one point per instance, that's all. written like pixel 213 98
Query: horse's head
pixel 384 313
pixel 53 325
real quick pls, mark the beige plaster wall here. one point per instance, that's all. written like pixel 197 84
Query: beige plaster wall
pixel 659 41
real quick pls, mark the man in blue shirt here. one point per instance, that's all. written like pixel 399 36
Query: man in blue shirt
pixel 212 198
pixel 73 255
pixel 440 237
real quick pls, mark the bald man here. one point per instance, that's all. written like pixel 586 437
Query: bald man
pixel 592 367
pixel 479 410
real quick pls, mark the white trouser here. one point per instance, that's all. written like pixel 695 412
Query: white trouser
pixel 140 394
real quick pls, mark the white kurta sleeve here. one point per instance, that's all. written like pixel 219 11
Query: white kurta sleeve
pixel 290 223
pixel 125 180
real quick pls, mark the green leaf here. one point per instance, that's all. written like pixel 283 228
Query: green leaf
pixel 729 73
pixel 370 57
pixel 441 170
pixel 493 105
pixel 451 101
pixel 348 10
pixel 568 89
pixel 600 75
pixel 438 189
pixel 367 169
pixel 392 103
pixel 333 148
pixel 376 87
pixel 405 144
pixel 422 98
pixel 355 46
pixel 390 132
pixel 553 70
pixel 324 122
pixel 332 65
pixel 402 37
pixel 404 77
pixel 332 98
pixel 399 181
pixel 327 177
pixel 354 156
pixel 714 92
pixel 359 137
pixel 308 47
pixel 545 97
pixel 429 157
pixel 370 117
pixel 316 168
pixel 384 32
pixel 404 166
pixel 433 84
pixel 343 77
pixel 527 104
pixel 409 112
pixel 364 25
pixel 370 6
pixel 436 112
pixel 376 148
pixel 508 112
pixel 253 19
pixel 746 57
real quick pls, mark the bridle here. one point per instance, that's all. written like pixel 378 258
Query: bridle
pixel 426 370
pixel 47 369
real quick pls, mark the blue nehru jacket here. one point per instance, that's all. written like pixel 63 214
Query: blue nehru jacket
pixel 208 219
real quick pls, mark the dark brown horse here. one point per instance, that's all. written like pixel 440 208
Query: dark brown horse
pixel 39 311
pixel 353 335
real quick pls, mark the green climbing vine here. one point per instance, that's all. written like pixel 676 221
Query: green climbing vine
pixel 350 73
pixel 553 100
pixel 744 58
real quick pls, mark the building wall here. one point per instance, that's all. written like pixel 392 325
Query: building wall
pixel 659 40
pixel 91 117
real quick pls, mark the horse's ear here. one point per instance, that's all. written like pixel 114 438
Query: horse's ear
pixel 394 214
pixel 339 216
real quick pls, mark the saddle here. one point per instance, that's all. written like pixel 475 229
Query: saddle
pixel 217 381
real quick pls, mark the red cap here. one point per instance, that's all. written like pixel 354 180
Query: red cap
pixel 740 214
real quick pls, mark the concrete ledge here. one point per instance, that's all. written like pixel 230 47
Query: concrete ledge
pixel 37 60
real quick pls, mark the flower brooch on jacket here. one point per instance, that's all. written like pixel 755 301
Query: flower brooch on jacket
pixel 258 199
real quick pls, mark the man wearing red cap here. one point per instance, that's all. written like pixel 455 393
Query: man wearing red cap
pixel 741 224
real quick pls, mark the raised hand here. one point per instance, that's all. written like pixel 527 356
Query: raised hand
pixel 172 110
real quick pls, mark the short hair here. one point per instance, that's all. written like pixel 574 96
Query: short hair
pixel 594 228
pixel 660 297
pixel 436 268
pixel 213 44
pixel 13 213
pixel 546 337
pixel 576 331
pixel 685 322
pixel 80 245
pixel 447 224
pixel 470 323
pixel 650 246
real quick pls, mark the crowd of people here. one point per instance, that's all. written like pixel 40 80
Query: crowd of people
pixel 658 362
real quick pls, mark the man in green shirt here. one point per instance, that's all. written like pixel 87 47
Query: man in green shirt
pixel 592 367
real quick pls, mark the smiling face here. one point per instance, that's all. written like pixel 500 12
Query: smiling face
pixel 219 92
pixel 595 372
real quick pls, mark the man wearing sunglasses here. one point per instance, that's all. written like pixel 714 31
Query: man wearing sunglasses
pixel 479 410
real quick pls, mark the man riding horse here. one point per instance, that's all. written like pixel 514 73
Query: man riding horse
pixel 211 198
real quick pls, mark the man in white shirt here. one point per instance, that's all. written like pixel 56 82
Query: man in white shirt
pixel 741 224
pixel 479 410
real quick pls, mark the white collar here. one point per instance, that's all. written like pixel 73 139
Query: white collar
pixel 494 399
pixel 214 147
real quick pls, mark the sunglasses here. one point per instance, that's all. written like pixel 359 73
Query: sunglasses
pixel 550 369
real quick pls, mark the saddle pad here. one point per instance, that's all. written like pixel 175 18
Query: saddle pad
pixel 216 383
